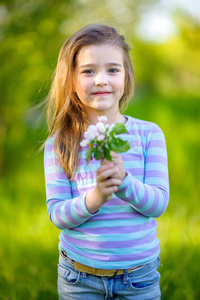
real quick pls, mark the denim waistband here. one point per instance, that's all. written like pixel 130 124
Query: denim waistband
pixel 94 271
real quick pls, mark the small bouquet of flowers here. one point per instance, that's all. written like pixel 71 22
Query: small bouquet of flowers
pixel 101 139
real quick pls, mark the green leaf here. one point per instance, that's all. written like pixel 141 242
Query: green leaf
pixel 119 128
pixel 106 152
pixel 89 153
pixel 98 153
pixel 119 146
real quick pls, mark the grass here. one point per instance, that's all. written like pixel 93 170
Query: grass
pixel 179 257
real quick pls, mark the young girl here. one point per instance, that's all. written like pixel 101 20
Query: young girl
pixel 105 210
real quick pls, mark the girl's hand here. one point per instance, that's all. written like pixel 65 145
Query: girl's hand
pixel 117 161
pixel 108 180
pixel 108 177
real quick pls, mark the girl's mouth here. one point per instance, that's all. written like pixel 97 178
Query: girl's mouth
pixel 101 93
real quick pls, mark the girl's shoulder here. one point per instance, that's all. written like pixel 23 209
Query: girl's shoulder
pixel 145 131
pixel 141 125
pixel 50 140
pixel 49 143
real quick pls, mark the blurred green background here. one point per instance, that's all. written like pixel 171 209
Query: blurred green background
pixel 165 41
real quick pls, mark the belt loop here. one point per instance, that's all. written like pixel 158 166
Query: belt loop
pixel 84 275
pixel 125 277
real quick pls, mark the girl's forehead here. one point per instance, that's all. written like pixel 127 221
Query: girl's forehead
pixel 100 51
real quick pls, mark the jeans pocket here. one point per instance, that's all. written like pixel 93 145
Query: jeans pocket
pixel 146 279
pixel 68 275
pixel 145 286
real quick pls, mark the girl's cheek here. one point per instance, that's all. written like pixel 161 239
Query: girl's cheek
pixel 84 87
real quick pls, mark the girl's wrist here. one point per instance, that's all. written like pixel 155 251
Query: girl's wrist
pixel 92 201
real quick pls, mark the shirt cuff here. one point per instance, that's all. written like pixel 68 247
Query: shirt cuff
pixel 125 181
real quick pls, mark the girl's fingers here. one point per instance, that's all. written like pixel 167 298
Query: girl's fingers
pixel 104 167
pixel 112 182
pixel 105 173
pixel 109 177
pixel 116 160
pixel 111 190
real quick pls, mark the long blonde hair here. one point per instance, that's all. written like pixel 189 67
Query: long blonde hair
pixel 66 115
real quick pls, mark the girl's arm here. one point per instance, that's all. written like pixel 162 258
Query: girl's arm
pixel 66 211
pixel 151 196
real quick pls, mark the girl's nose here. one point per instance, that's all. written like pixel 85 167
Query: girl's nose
pixel 101 79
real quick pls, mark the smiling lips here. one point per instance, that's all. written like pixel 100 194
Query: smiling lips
pixel 101 93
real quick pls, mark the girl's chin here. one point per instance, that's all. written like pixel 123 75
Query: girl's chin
pixel 103 109
pixel 100 107
pixel 105 106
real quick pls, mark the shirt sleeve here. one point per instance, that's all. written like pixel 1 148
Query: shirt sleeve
pixel 151 196
pixel 64 211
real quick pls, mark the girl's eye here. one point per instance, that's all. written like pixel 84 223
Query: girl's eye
pixel 88 71
pixel 113 70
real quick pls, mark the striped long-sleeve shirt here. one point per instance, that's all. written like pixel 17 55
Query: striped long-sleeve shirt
pixel 122 234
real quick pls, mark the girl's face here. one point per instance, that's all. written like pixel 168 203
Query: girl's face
pixel 99 78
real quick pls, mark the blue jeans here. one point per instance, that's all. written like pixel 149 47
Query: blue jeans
pixel 140 284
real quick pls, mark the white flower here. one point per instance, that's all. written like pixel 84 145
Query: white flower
pixel 100 137
pixel 101 127
pixel 84 142
pixel 91 133
pixel 102 119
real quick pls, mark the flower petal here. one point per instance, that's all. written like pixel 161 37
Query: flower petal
pixel 102 119
pixel 101 127
pixel 100 137
pixel 84 142
pixel 91 132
